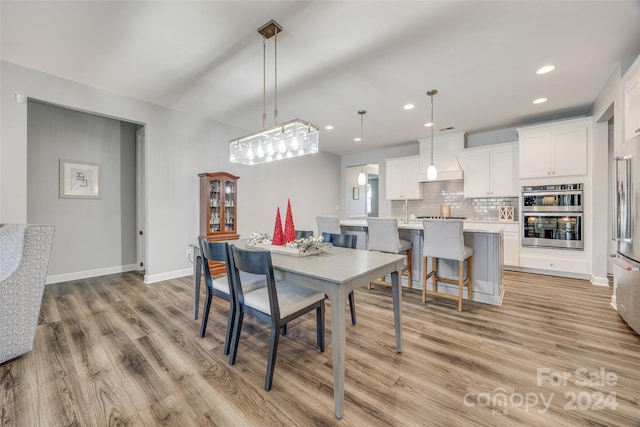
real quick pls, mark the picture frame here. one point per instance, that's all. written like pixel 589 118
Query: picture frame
pixel 79 180
pixel 356 193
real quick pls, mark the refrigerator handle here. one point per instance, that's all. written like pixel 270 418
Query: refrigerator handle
pixel 616 226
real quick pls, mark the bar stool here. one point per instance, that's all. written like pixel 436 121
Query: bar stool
pixel 383 236
pixel 443 238
pixel 328 224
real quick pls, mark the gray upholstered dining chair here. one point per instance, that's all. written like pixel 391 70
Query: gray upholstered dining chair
pixel 277 305
pixel 328 224
pixel 303 234
pixel 24 259
pixel 444 238
pixel 219 286
pixel 383 236
pixel 344 241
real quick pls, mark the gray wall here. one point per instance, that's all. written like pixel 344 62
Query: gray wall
pixel 178 146
pixel 91 234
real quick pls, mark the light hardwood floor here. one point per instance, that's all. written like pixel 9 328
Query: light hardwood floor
pixel 114 351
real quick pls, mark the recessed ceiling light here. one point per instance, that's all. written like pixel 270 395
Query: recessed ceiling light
pixel 539 100
pixel 545 69
pixel 409 107
pixel 356 139
pixel 428 125
pixel 328 127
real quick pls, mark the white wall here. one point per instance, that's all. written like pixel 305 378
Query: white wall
pixel 178 147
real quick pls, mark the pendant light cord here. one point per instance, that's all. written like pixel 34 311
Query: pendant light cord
pixel 432 126
pixel 264 82
pixel 275 62
pixel 362 113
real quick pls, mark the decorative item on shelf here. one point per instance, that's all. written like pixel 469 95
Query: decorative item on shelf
pixel 290 139
pixel 362 176
pixel 289 228
pixel 432 172
pixel 505 213
pixel 278 236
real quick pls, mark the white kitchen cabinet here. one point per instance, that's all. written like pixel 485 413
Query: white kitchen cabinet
pixel 490 171
pixel 632 102
pixel 558 149
pixel 402 178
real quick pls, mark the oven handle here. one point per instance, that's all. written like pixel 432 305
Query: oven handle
pixel 621 262
pixel 557 213
pixel 552 193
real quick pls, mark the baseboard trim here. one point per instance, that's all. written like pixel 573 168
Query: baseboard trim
pixel 154 278
pixel 599 281
pixel 57 278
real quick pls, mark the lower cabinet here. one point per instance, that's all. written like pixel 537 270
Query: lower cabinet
pixel 555 260
pixel 511 232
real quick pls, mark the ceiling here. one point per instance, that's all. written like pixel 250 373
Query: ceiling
pixel 335 58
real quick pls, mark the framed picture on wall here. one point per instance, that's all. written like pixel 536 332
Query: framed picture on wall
pixel 356 193
pixel 79 180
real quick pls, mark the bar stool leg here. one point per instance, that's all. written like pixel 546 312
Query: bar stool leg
pixel 460 283
pixel 424 279
pixel 469 275
pixel 409 280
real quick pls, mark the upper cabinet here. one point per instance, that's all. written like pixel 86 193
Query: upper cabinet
pixel 632 102
pixel 490 171
pixel 557 149
pixel 402 178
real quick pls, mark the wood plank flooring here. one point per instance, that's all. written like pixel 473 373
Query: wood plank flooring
pixel 112 351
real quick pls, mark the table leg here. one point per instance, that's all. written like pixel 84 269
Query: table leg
pixel 396 291
pixel 197 269
pixel 338 297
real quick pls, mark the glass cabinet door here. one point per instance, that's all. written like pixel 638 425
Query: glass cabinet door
pixel 229 206
pixel 215 199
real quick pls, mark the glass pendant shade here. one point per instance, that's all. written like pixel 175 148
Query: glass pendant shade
pixel 432 172
pixel 295 138
pixel 362 178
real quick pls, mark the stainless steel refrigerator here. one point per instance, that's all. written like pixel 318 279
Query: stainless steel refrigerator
pixel 626 232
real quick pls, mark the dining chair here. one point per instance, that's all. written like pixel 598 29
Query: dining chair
pixel 444 238
pixel 277 303
pixel 383 236
pixel 303 234
pixel 219 286
pixel 328 224
pixel 344 241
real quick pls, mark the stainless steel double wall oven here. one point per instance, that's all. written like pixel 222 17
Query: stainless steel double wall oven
pixel 552 216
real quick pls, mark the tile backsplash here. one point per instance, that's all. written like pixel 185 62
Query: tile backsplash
pixel 452 193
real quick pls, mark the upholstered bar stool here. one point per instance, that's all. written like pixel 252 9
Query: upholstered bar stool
pixel 328 224
pixel 444 238
pixel 383 236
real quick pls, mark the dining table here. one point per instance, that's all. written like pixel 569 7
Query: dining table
pixel 336 272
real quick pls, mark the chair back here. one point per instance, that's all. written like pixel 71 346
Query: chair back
pixel 213 251
pixel 341 240
pixel 303 234
pixel 383 235
pixel 328 224
pixel 443 238
pixel 254 262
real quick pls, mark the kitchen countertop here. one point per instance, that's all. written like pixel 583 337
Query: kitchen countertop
pixel 416 224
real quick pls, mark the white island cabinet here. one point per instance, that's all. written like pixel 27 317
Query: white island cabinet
pixel 554 149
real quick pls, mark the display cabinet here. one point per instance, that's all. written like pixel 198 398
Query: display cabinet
pixel 218 209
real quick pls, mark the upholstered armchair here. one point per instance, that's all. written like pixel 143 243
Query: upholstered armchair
pixel 24 257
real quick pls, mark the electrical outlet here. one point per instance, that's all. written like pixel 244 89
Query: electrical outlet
pixel 188 253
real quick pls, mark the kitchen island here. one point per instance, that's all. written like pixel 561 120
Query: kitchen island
pixel 488 264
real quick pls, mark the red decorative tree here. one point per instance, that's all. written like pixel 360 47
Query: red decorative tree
pixel 289 228
pixel 278 237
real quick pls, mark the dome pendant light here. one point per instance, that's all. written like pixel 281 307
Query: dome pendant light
pixel 362 176
pixel 432 172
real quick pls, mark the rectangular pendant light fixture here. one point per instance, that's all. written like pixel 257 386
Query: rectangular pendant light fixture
pixel 282 141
